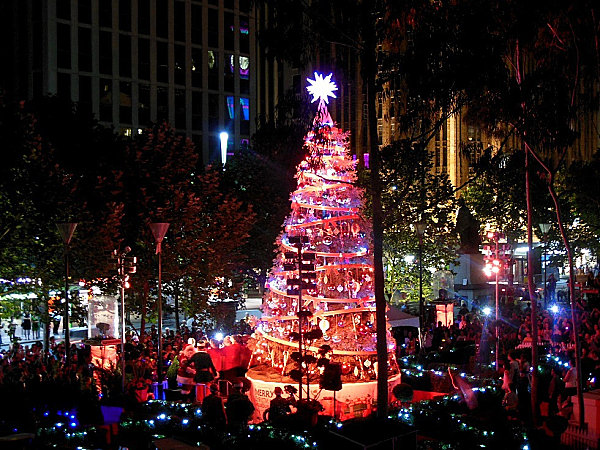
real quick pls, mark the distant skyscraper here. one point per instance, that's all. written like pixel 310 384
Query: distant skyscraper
pixel 133 62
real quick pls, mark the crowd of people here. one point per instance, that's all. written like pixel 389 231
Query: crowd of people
pixel 475 330
pixel 211 372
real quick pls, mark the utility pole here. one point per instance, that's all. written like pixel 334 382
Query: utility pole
pixel 125 266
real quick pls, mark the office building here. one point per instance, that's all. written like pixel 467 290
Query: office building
pixel 136 62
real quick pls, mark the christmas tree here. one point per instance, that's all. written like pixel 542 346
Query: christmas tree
pixel 327 228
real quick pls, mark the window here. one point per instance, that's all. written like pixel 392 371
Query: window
pixel 245 68
pixel 244 6
pixel 144 16
pixel 244 86
pixel 63 9
pixel 144 59
pixel 196 24
pixel 106 97
pixel 105 52
pixel 64 45
pixel 196 110
pixel 85 49
pixel 84 10
pixel 162 53
pixel 180 67
pixel 230 105
pixel 125 15
pixel 213 70
pixel 213 28
pixel 162 18
pixel 179 21
pixel 180 111
pixel 196 67
pixel 228 70
pixel 125 55
pixel 125 102
pixel 162 104
pixel 245 116
pixel 213 112
pixel 105 13
pixel 244 35
pixel 144 105
pixel 228 33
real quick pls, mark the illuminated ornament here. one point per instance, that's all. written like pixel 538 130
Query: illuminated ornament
pixel 356 372
pixel 367 363
pixel 321 88
pixel 327 240
pixel 340 288
pixel 324 325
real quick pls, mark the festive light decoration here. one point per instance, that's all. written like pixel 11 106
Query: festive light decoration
pixel 321 88
pixel 327 223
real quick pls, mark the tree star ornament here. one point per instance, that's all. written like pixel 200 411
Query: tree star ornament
pixel 321 88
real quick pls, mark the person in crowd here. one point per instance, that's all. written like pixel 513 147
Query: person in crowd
pixel 213 410
pixel 571 379
pixel 555 391
pixel 550 288
pixel 26 326
pixel 510 402
pixel 279 407
pixel 204 368
pixel 239 408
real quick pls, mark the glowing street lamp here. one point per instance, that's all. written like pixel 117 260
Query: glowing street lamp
pixel 159 230
pixel 223 137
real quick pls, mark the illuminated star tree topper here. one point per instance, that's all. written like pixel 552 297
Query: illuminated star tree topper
pixel 321 88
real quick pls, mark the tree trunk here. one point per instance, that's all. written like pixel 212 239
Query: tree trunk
pixel 563 233
pixel 532 296
pixel 47 325
pixel 575 327
pixel 369 68
pixel 176 297
pixel 145 295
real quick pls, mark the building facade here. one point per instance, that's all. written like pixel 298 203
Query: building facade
pixel 131 63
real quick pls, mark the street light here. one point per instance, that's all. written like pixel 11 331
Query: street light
pixel 544 228
pixel 223 138
pixel 66 231
pixel 421 226
pixel 159 230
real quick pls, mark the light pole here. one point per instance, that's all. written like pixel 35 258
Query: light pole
pixel 159 230
pixel 66 231
pixel 544 228
pixel 125 266
pixel 421 226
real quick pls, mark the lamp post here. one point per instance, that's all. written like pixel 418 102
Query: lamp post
pixel 544 228
pixel 159 230
pixel 66 231
pixel 421 226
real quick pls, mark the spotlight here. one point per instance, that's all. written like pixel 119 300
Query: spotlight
pixel 486 311
pixel 554 309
